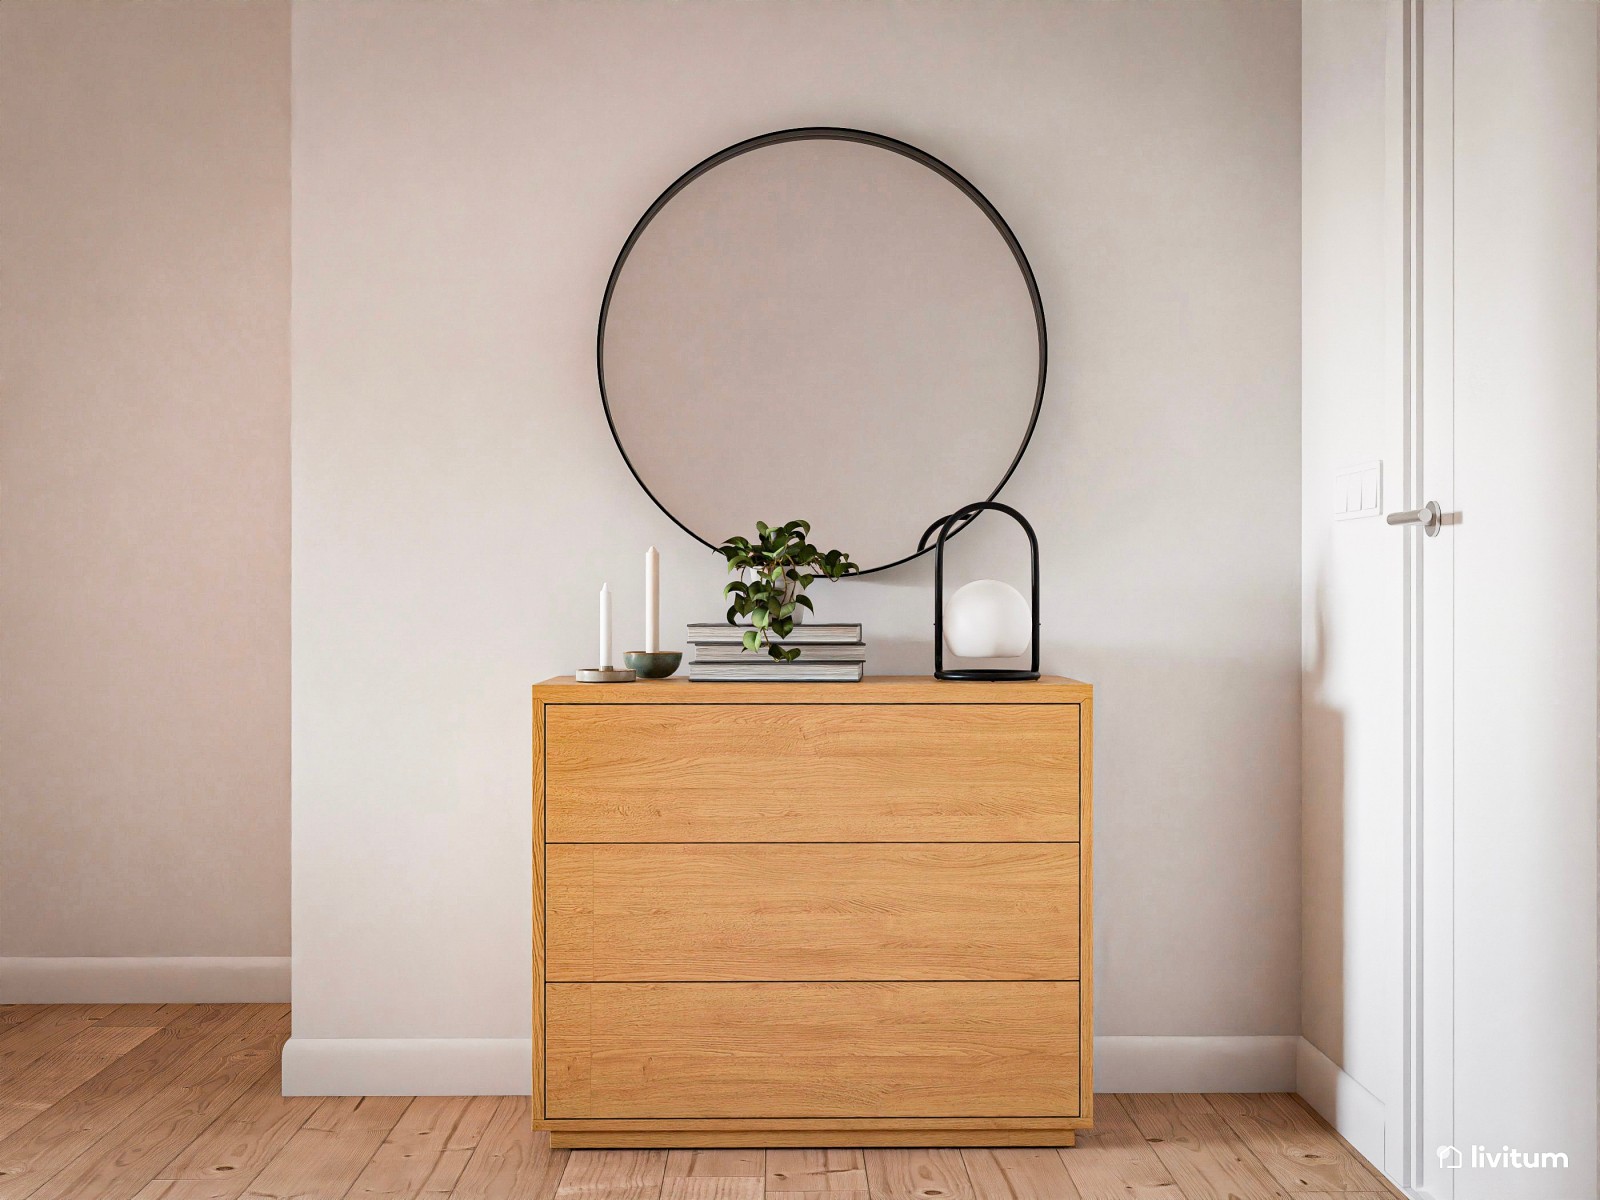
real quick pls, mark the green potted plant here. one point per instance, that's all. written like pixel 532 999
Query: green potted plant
pixel 778 567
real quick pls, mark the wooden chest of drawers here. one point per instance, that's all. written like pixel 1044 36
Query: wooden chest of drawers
pixel 811 914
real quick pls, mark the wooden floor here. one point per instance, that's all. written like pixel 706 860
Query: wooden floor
pixel 180 1102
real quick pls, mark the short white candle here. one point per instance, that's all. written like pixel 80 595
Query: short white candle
pixel 652 601
pixel 605 627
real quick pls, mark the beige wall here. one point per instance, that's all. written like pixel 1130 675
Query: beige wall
pixel 144 479
pixel 463 177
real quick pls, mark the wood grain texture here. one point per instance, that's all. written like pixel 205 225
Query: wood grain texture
pixel 847 1129
pixel 190 1189
pixel 1085 709
pixel 149 1016
pixel 1302 1154
pixel 816 1171
pixel 512 1162
pixel 116 1168
pixel 812 1049
pixel 711 1189
pixel 922 1174
pixel 613 1175
pixel 40 1149
pixel 811 773
pixel 1112 1161
pixel 679 1134
pixel 812 912
pixel 874 689
pixel 265 1145
pixel 924 831
pixel 331 1149
pixel 1354 1155
pixel 1200 1149
pixel 28 1041
pixel 716 1164
pixel 1019 1174
pixel 33 1089
pixel 538 903
pixel 247 1137
pixel 427 1150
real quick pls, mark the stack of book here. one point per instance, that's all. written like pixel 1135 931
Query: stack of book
pixel 828 654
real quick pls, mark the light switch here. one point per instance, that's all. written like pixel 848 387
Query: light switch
pixel 1358 491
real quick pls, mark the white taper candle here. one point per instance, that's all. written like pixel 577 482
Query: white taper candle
pixel 605 627
pixel 652 601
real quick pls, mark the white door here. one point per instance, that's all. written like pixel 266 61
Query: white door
pixel 1502 964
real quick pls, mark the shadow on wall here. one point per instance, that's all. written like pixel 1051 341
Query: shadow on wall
pixel 1323 847
pixel 1197 788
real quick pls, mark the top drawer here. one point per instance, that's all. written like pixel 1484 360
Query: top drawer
pixel 811 773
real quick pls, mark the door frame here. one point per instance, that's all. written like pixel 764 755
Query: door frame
pixel 1422 332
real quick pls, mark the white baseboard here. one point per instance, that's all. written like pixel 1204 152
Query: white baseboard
pixel 1355 1112
pixel 502 1066
pixel 407 1066
pixel 143 980
pixel 1263 1063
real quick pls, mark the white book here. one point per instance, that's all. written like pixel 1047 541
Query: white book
pixel 720 633
pixel 855 652
pixel 776 672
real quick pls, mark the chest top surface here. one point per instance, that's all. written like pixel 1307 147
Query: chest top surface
pixel 875 689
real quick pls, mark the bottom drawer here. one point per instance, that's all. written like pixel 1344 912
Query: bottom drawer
pixel 705 1050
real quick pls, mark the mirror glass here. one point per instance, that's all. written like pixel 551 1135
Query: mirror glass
pixel 827 325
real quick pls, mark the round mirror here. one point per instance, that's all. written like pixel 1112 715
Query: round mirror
pixel 827 324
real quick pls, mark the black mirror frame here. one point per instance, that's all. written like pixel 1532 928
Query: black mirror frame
pixel 825 133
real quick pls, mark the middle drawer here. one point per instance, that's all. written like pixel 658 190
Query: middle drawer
pixel 813 911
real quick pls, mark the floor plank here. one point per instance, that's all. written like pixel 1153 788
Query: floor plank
pixel 1018 1175
pixel 613 1175
pixel 190 1189
pixel 705 1187
pixel 917 1175
pixel 35 1088
pixel 716 1164
pixel 1298 1150
pixel 155 1016
pixel 1153 1112
pixel 428 1148
pixel 1210 1162
pixel 1112 1161
pixel 821 1171
pixel 117 1167
pixel 25 1043
pixel 33 1153
pixel 247 1137
pixel 326 1154
pixel 511 1162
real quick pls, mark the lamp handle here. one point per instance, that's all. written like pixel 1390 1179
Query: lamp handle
pixel 965 514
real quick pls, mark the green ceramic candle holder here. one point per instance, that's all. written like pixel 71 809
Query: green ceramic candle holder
pixel 657 664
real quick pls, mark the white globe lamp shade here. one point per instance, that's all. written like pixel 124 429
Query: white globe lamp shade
pixel 987 619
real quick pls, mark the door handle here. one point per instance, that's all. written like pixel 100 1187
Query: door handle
pixel 1428 516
